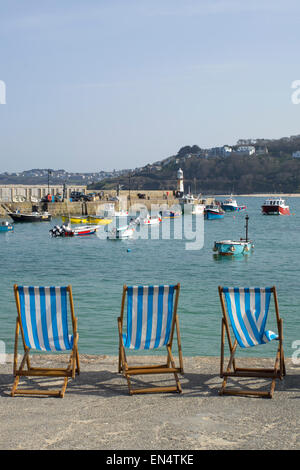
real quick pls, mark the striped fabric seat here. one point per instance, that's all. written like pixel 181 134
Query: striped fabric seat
pixel 248 311
pixel 149 316
pixel 44 318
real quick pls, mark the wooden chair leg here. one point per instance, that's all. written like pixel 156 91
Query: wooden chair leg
pixel 171 360
pixel 15 385
pixel 229 366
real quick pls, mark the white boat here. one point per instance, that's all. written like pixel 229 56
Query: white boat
pixel 229 204
pixel 121 233
pixel 151 220
pixel 190 205
pixel 68 231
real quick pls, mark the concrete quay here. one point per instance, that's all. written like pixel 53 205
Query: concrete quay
pixel 98 413
pixel 153 199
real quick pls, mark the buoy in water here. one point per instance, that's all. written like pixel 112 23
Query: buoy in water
pixel 128 250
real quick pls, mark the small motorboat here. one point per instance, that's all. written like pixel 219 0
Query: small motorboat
pixel 232 247
pixel 191 205
pixel 151 220
pixel 18 216
pixel 169 214
pixel 75 219
pixel 213 211
pixel 6 227
pixel 68 231
pixel 229 204
pixel 123 233
pixel 275 206
pixel 98 220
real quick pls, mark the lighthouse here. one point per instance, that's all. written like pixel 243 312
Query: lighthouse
pixel 180 181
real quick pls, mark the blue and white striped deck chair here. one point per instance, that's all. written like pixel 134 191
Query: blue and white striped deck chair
pixel 43 323
pixel 246 311
pixel 151 321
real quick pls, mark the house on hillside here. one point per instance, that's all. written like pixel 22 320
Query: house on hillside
pixel 245 150
pixel 296 154
pixel 224 151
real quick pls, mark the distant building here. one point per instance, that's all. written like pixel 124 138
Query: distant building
pixel 33 193
pixel 245 150
pixel 227 150
pixel 224 151
pixel 296 154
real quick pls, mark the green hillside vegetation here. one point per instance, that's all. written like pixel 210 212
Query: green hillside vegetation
pixel 275 171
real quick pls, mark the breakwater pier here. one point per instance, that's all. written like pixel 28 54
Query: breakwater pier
pixel 99 203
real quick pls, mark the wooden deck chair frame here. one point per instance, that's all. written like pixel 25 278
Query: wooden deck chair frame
pixel 277 372
pixel 72 368
pixel 168 367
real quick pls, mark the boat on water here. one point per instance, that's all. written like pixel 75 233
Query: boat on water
pixel 68 231
pixel 275 206
pixel 151 220
pixel 75 219
pixel 231 247
pixel 191 205
pixel 169 214
pixel 213 211
pixel 98 220
pixel 234 247
pixel 18 216
pixel 6 227
pixel 86 219
pixel 230 205
pixel 123 233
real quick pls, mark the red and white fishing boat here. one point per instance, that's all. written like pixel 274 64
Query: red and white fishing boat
pixel 68 231
pixel 275 206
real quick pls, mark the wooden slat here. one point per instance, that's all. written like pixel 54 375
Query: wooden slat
pixel 37 392
pixel 143 371
pixel 245 392
pixel 251 374
pixel 155 366
pixel 153 390
pixel 250 369
pixel 45 373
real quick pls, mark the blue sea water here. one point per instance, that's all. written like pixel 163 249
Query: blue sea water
pixel 97 269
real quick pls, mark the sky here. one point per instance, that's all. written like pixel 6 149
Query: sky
pixel 96 85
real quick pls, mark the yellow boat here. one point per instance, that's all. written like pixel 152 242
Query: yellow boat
pixel 75 219
pixel 97 220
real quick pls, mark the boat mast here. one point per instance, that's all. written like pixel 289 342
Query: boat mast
pixel 246 227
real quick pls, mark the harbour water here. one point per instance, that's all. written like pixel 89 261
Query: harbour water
pixel 97 269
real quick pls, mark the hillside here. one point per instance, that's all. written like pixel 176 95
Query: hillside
pixel 249 166
pixel 271 169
